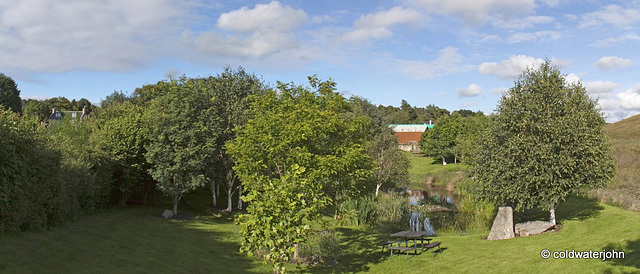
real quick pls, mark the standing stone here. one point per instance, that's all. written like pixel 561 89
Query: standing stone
pixel 502 228
pixel 167 214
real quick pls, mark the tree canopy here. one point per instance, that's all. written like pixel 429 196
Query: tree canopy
pixel 545 142
pixel 9 94
pixel 182 129
pixel 298 152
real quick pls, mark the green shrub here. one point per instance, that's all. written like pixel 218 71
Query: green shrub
pixel 357 211
pixel 321 248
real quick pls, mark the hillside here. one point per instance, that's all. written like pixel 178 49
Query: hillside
pixel 625 187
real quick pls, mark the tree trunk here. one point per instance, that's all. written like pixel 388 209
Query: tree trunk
pixel 213 193
pixel 217 190
pixel 229 196
pixel 240 197
pixel 444 162
pixel 175 206
pixel 295 252
pixel 552 214
pixel 455 159
pixel 378 189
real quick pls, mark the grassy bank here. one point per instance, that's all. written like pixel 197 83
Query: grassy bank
pixel 624 189
pixel 423 168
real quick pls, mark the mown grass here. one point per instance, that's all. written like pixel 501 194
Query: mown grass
pixel 423 167
pixel 137 240
pixel 134 240
pixel 624 189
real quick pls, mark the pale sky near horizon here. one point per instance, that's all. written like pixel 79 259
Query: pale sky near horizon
pixel 454 54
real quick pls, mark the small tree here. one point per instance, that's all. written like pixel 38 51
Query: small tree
pixel 545 142
pixel 182 129
pixel 440 140
pixel 298 152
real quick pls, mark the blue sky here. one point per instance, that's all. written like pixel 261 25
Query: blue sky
pixel 454 54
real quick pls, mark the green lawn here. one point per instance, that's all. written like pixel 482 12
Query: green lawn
pixel 136 240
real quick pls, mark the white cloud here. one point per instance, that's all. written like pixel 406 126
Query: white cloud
pixel 262 31
pixel 572 78
pixel 541 36
pixel 602 88
pixel 630 98
pixel 272 17
pixel 257 45
pixel 613 62
pixel 477 11
pixel 448 62
pixel 523 23
pixel 615 40
pixel 615 15
pixel 500 90
pixel 65 35
pixel 470 91
pixel 512 68
pixel 376 25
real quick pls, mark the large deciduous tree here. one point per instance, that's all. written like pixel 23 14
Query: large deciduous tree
pixel 182 129
pixel 299 151
pixel 545 142
pixel 9 94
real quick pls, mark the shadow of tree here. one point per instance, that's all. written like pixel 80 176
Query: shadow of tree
pixel 631 254
pixel 573 208
pixel 360 247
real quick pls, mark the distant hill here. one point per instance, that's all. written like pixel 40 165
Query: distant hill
pixel 624 190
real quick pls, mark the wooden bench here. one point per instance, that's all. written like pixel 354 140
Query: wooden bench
pixel 432 245
pixel 401 248
pixel 386 243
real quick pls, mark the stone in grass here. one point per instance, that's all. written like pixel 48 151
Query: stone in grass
pixel 502 228
pixel 532 228
pixel 167 214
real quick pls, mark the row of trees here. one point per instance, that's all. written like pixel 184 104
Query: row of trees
pixel 298 149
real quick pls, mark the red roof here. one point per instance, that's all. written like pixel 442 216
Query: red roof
pixel 408 137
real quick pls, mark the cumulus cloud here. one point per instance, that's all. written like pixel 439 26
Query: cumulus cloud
pixel 512 68
pixel 448 61
pixel 258 32
pixel 572 78
pixel 470 91
pixel 602 88
pixel 65 35
pixel 613 62
pixel 376 25
pixel 541 36
pixel 477 11
pixel 272 17
pixel 613 15
pixel 630 98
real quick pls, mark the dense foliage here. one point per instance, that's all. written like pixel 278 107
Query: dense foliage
pixel 47 176
pixel 545 142
pixel 298 152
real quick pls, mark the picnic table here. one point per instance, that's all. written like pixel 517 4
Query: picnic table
pixel 414 236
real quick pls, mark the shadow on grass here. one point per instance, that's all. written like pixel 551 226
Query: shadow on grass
pixel 359 248
pixel 574 208
pixel 631 254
